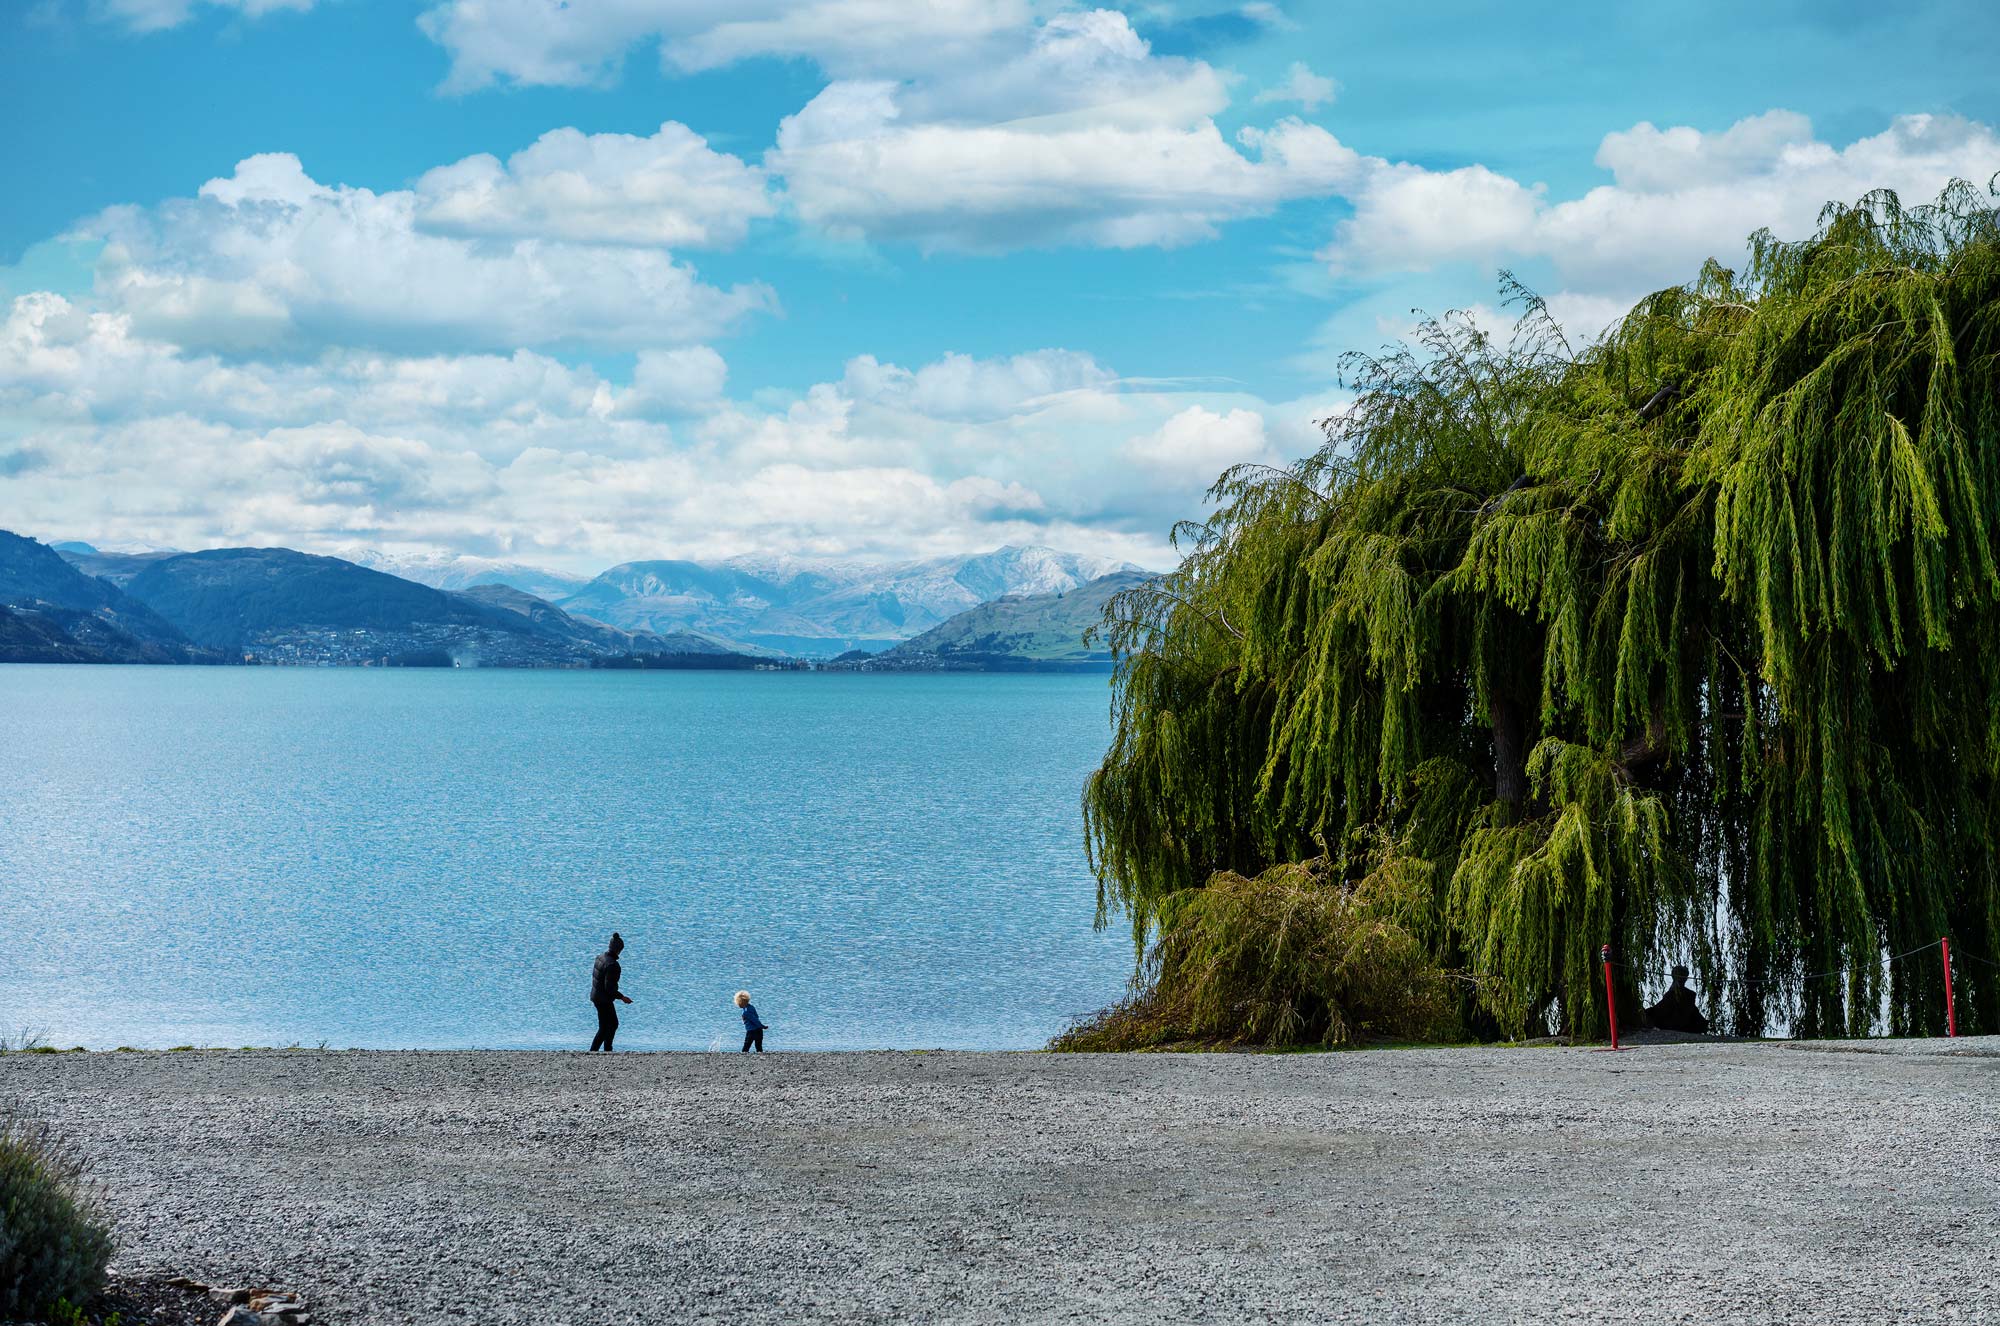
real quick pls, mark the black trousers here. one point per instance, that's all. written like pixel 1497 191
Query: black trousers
pixel 754 1037
pixel 607 1023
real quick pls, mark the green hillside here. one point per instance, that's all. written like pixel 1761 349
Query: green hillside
pixel 228 596
pixel 50 612
pixel 1026 630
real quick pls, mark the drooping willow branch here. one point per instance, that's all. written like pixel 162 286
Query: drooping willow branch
pixel 1739 641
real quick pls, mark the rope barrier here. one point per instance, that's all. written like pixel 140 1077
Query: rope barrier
pixel 1942 944
pixel 1610 999
pixel 1893 957
pixel 1647 973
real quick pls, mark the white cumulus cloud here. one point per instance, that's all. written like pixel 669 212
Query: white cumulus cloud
pixel 971 125
pixel 669 190
pixel 1084 137
pixel 107 433
pixel 269 260
pixel 1678 197
pixel 958 386
pixel 1302 86
pixel 581 42
pixel 677 382
pixel 1198 444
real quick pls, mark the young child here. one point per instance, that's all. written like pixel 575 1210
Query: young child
pixel 753 1026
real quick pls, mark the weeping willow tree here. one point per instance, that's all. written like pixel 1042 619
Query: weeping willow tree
pixel 1686 641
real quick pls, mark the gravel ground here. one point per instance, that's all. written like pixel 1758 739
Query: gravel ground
pixel 1851 1182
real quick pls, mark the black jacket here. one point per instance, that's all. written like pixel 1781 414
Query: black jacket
pixel 604 975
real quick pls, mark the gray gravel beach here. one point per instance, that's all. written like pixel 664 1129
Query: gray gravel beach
pixel 1696 1182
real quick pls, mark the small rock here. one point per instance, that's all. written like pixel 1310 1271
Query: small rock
pixel 241 1316
pixel 230 1295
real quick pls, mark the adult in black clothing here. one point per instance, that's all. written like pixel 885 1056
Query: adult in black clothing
pixel 604 993
pixel 1677 1010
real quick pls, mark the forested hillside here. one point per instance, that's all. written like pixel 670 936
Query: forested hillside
pixel 227 596
pixel 1021 631
pixel 1686 641
pixel 50 612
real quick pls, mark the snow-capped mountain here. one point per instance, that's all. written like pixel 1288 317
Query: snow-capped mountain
pixel 822 608
pixel 459 571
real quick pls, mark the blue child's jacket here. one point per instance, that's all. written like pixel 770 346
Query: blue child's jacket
pixel 751 1022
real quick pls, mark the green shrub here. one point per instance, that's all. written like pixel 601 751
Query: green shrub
pixel 54 1239
pixel 1293 957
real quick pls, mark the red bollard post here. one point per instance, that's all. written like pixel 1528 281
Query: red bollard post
pixel 1950 1013
pixel 1610 1002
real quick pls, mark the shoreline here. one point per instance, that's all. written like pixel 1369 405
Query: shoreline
pixel 1427 1184
pixel 1632 1040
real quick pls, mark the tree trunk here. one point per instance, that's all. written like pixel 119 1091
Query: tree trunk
pixel 1510 753
pixel 1641 755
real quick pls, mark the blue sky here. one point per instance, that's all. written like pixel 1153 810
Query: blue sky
pixel 890 280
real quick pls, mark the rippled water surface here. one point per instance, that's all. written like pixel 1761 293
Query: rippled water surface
pixel 271 856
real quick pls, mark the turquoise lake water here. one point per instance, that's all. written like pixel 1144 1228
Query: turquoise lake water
pixel 261 856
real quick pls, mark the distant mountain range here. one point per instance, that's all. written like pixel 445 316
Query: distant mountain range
pixel 118 568
pixel 77 603
pixel 458 571
pixel 274 605
pixel 820 609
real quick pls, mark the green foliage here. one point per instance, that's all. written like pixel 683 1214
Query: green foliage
pixel 54 1242
pixel 1685 642
pixel 1296 956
